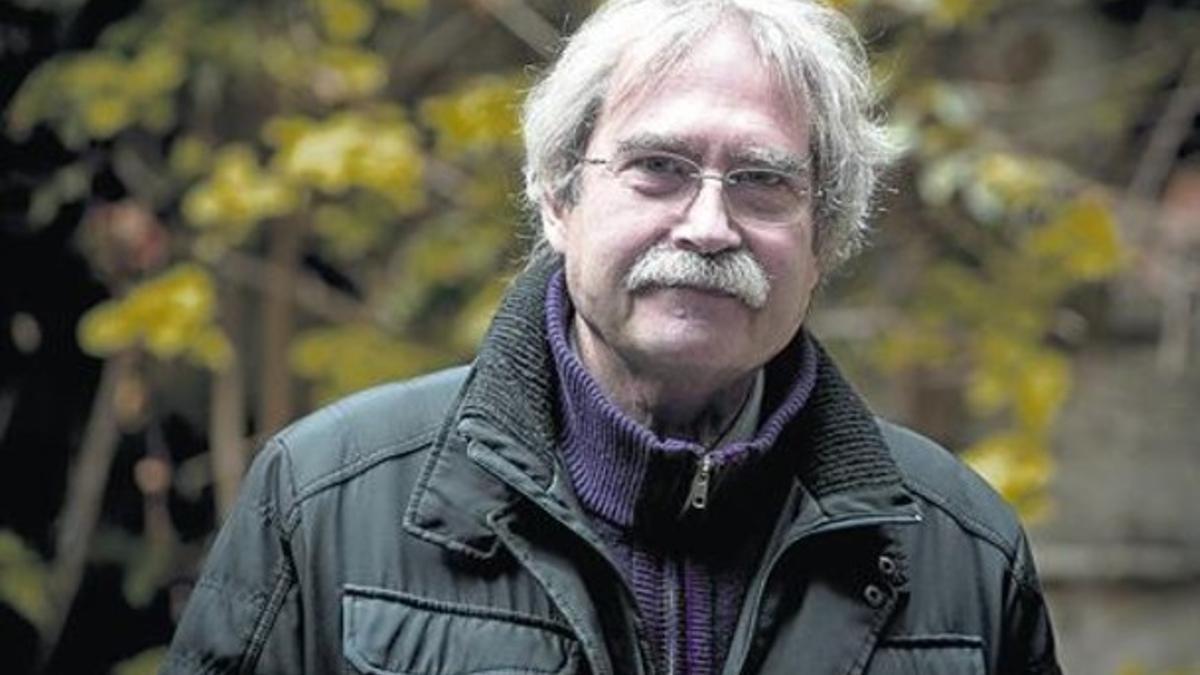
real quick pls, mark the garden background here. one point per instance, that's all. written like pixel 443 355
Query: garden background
pixel 216 215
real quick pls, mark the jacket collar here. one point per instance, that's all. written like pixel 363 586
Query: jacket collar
pixel 504 426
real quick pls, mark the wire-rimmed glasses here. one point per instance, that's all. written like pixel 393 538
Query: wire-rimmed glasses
pixel 754 195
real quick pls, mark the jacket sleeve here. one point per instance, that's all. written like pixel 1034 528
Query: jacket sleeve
pixel 1028 635
pixel 244 612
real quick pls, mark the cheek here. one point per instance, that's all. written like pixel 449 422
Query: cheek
pixel 794 275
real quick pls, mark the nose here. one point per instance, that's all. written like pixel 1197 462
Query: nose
pixel 705 226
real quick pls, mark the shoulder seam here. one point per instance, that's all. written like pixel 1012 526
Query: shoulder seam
pixel 284 581
pixel 973 525
pixel 360 464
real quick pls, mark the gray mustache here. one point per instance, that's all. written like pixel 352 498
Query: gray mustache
pixel 736 272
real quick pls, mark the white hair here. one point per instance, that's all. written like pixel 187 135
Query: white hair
pixel 813 52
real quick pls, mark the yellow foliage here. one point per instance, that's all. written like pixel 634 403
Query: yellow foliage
pixel 172 315
pixel 146 662
pixel 342 73
pixel 24 580
pixel 100 92
pixel 406 6
pixel 237 195
pixel 1018 466
pixel 347 231
pixel 377 150
pixel 1013 374
pixel 333 73
pixel 190 156
pixel 475 317
pixel 846 5
pixel 105 115
pixel 1081 241
pixel 478 117
pixel 345 359
pixel 1041 390
pixel 345 20
pixel 950 13
pixel 1018 181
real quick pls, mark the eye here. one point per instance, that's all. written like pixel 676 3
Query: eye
pixel 759 178
pixel 661 165
pixel 657 175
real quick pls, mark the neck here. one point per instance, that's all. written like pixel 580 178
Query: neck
pixel 686 405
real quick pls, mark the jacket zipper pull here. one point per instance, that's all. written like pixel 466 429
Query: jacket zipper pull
pixel 698 495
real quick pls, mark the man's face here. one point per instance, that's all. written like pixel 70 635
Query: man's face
pixel 718 108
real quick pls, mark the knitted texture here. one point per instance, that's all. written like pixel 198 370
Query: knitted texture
pixel 688 590
pixel 833 446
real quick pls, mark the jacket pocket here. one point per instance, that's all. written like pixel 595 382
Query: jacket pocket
pixel 928 655
pixel 386 632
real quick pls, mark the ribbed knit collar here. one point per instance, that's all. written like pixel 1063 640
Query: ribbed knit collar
pixel 617 465
pixel 510 404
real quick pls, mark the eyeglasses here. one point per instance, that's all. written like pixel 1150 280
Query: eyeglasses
pixel 755 196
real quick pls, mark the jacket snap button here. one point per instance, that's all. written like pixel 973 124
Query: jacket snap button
pixel 887 566
pixel 874 595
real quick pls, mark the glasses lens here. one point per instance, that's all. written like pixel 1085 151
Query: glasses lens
pixel 656 174
pixel 765 196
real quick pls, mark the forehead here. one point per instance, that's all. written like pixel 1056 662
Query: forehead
pixel 721 94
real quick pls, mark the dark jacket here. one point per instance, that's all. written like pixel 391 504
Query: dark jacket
pixel 427 527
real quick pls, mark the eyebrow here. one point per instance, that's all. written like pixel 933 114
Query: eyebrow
pixel 659 142
pixel 758 156
pixel 771 158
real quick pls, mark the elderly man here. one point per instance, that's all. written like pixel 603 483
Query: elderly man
pixel 651 467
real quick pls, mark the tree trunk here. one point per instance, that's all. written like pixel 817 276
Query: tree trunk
pixel 275 402
pixel 227 405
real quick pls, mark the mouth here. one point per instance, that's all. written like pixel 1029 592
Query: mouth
pixel 708 290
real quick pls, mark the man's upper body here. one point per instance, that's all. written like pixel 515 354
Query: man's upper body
pixel 651 467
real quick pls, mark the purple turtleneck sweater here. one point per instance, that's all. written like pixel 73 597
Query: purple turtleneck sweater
pixel 688 568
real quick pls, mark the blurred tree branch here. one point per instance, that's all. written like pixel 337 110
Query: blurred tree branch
pixel 227 404
pixel 84 498
pixel 524 23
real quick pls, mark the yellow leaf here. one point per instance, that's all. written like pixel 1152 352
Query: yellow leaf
pixel 190 156
pixel 24 580
pixel 146 662
pixel 1018 466
pixel 1082 239
pixel 406 6
pixel 1018 181
pixel 348 73
pixel 1042 387
pixel 237 195
pixel 375 149
pixel 156 70
pixel 345 359
pixel 171 315
pixel 346 20
pixel 103 330
pixel 104 116
pixel 479 116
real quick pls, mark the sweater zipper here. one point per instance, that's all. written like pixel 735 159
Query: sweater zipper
pixel 701 480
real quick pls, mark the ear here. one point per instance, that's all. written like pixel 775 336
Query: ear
pixel 554 226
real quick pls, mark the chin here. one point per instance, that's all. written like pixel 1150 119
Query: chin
pixel 712 352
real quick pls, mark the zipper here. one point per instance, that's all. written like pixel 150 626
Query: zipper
pixel 504 472
pixel 701 480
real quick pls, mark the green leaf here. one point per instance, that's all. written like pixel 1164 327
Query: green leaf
pixel 24 580
pixel 146 662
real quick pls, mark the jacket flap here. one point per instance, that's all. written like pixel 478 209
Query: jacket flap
pixel 452 499
pixel 389 632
